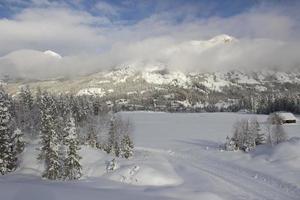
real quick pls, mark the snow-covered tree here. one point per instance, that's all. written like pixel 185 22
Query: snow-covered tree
pixel 245 134
pixel 8 155
pixel 230 144
pixel 111 165
pixel 116 148
pixel 25 112
pixel 92 137
pixel 256 131
pixel 72 166
pixel 126 146
pixel 19 143
pixel 278 134
pixel 119 142
pixel 53 167
pixel 275 133
pixel 109 146
pixel 49 138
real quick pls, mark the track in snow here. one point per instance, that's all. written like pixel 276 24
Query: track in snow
pixel 243 183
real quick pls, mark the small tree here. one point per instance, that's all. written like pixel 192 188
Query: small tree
pixel 26 118
pixel 126 146
pixel 256 131
pixel 72 164
pixel 245 134
pixel 18 141
pixel 230 144
pixel 92 137
pixel 111 165
pixel 109 146
pixel 116 148
pixel 119 141
pixel 278 134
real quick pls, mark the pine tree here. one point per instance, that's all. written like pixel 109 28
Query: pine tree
pixel 116 148
pixel 111 137
pixel 256 130
pixel 72 167
pixel 26 118
pixel 92 137
pixel 126 146
pixel 244 135
pixel 18 141
pixel 36 112
pixel 49 138
pixel 8 155
pixel 53 167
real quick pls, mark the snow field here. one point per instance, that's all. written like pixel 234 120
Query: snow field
pixel 177 156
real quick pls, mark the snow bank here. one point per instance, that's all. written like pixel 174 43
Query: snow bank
pixel 93 162
pixel 145 168
pixel 284 154
pixel 155 171
pixel 28 161
pixel 287 153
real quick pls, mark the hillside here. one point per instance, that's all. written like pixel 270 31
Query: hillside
pixel 131 86
pixel 150 84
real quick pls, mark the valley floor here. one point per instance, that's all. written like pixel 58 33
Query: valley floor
pixel 177 156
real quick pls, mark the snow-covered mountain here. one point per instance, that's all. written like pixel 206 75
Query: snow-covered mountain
pixel 27 63
pixel 214 81
pixel 53 54
pixel 138 81
pixel 129 82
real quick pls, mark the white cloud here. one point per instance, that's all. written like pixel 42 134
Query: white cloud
pixel 267 38
pixel 62 30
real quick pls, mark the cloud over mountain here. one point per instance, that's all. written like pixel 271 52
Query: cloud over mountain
pixel 265 37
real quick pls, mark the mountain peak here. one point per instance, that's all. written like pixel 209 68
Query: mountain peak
pixel 222 38
pixel 53 54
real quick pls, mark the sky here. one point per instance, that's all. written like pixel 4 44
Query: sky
pixel 94 35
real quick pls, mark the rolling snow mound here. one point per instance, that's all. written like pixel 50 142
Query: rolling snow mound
pixel 145 169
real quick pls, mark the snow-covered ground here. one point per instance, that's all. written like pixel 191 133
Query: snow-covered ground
pixel 177 156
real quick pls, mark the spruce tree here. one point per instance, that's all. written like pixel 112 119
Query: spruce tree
pixel 19 141
pixel 244 135
pixel 92 137
pixel 116 148
pixel 26 118
pixel 49 138
pixel 72 167
pixel 256 132
pixel 8 155
pixel 126 146
pixel 111 137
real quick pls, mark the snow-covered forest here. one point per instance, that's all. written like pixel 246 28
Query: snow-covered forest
pixel 61 124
